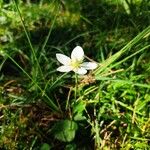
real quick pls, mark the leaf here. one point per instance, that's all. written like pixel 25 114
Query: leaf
pixel 65 130
pixel 126 48
pixel 71 147
pixel 79 117
pixel 78 109
pixel 45 146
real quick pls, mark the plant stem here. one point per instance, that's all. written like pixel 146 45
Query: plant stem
pixel 76 86
pixel 28 38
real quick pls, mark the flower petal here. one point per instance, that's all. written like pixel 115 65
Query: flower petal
pixel 89 65
pixel 77 54
pixel 80 71
pixel 64 69
pixel 65 60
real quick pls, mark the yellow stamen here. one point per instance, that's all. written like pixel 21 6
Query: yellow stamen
pixel 75 64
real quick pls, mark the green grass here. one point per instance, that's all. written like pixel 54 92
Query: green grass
pixel 107 109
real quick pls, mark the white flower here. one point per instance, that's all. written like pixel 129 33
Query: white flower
pixel 75 63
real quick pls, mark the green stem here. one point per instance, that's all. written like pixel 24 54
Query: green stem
pixel 29 41
pixel 68 98
pixel 58 79
pixel 76 86
pixel 52 105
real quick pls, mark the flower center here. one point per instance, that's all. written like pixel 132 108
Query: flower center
pixel 75 64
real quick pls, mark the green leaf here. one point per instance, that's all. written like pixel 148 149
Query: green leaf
pixel 65 130
pixel 78 109
pixel 79 117
pixel 126 48
pixel 71 147
pixel 45 146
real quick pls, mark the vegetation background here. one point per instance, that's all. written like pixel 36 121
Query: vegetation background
pixel 42 109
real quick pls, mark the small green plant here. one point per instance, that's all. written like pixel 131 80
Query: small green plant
pixel 65 130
